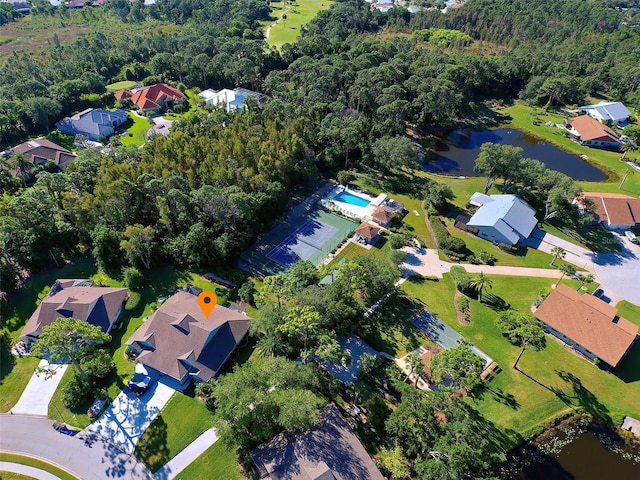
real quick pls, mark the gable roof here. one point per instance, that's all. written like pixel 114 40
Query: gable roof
pixel 78 299
pixel 615 208
pixel 178 340
pixel 40 150
pixel 368 231
pixel 590 129
pixel 327 451
pixel 120 94
pixel 588 321
pixel 147 98
pixel 613 111
pixel 509 214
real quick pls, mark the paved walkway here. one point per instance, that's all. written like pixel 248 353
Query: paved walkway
pixel 426 262
pixel 188 455
pixel 39 392
pixel 33 436
pixel 126 419
pixel 27 471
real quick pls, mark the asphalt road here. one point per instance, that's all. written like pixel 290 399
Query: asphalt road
pixel 101 461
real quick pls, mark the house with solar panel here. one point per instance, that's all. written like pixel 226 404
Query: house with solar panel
pixel 181 345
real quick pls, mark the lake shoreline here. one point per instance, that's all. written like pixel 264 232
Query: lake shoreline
pixel 543 450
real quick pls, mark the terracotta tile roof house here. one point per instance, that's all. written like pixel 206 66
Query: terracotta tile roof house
pixel 180 342
pixel 614 210
pixel 76 298
pixel 40 150
pixel 94 123
pixel 367 232
pixel 153 98
pixel 382 217
pixel 327 451
pixel 588 324
pixel 589 131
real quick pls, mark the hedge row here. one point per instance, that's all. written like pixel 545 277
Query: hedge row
pixel 445 241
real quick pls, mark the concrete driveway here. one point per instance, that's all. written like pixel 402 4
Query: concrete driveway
pixel 126 419
pixel 575 254
pixel 34 436
pixel 619 273
pixel 39 391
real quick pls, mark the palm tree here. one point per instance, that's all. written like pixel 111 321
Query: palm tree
pixel 626 147
pixel 480 283
pixel 566 269
pixel 588 278
pixel 414 362
pixel 557 252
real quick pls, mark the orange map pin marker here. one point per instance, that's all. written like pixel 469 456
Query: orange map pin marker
pixel 207 301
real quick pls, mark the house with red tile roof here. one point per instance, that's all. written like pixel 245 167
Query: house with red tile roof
pixel 614 211
pixel 79 299
pixel 153 98
pixel 179 342
pixel 367 233
pixel 589 131
pixel 587 324
pixel 382 217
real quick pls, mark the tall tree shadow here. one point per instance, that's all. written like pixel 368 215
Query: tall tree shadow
pixel 582 397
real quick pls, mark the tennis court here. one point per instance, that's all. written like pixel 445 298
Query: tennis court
pixel 310 235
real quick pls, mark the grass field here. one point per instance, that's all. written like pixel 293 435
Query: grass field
pixel 171 431
pixel 124 85
pixel 33 462
pixel 298 13
pixel 548 383
pixel 136 133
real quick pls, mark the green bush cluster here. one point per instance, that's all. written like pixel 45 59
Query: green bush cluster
pixel 463 305
pixel 452 246
pixel 460 277
pixel 76 392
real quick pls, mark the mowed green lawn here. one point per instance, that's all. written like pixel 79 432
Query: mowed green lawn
pixel 32 462
pixel 218 461
pixel 299 13
pixel 180 422
pixel 137 133
pixel 124 85
pixel 548 383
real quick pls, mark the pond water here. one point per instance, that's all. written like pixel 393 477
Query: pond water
pixel 456 155
pixel 585 457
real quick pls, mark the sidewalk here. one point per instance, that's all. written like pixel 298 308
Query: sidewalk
pixel 188 455
pixel 39 392
pixel 27 471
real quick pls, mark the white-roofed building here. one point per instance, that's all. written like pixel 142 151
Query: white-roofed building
pixel 502 218
pixel 614 112
pixel 233 99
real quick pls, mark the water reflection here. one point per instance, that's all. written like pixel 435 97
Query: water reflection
pixel 457 154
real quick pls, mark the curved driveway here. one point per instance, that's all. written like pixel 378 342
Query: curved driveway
pixel 35 436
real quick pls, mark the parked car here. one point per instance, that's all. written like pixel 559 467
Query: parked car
pixel 631 236
pixel 96 408
pixel 598 293
pixel 140 381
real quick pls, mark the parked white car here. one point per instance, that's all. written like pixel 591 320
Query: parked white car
pixel 631 236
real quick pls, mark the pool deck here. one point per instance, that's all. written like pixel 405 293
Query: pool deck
pixel 348 209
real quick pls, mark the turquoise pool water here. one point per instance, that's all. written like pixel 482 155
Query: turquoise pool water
pixel 351 199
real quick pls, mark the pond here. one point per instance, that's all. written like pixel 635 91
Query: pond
pixel 576 453
pixel 456 155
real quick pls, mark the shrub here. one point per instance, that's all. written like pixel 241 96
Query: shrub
pixel 205 389
pixel 487 258
pixel 378 411
pixel 463 305
pixel 444 239
pixel 344 177
pixel 76 392
pixel 398 257
pixel 133 278
pixel 505 248
pixel 397 241
pixel 460 277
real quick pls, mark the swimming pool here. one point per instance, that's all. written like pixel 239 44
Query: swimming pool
pixel 351 199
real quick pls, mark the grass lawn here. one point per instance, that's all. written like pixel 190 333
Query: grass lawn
pixel 380 250
pixel 14 476
pixel 522 118
pixel 218 461
pixel 137 133
pixel 124 85
pixel 172 430
pixel 594 238
pixel 33 462
pixel 629 311
pixel 548 383
pixel 298 13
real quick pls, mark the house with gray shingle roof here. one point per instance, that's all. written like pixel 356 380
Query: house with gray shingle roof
pixel 79 299
pixel 94 123
pixel 180 342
